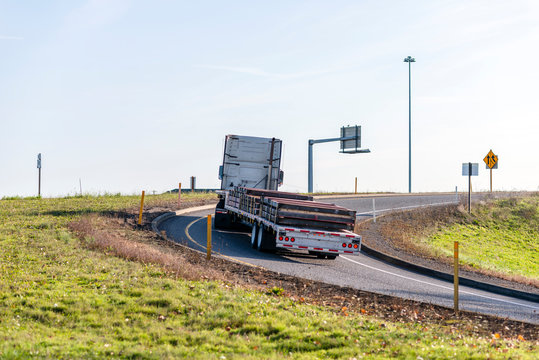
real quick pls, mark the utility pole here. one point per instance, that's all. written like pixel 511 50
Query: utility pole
pixel 409 60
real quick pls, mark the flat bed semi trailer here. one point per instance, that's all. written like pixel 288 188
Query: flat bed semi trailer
pixel 292 221
pixel 250 175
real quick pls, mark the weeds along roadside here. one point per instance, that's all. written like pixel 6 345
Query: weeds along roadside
pixel 42 236
pixel 144 246
pixel 498 239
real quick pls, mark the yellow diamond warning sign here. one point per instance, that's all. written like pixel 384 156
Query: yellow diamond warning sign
pixel 490 159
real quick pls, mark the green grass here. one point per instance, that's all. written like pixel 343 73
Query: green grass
pixel 61 300
pixel 502 236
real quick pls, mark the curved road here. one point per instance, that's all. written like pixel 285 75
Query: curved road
pixel 360 272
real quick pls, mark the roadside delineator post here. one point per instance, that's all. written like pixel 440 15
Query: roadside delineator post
pixel 456 277
pixel 374 210
pixel 355 188
pixel 179 194
pixel 208 245
pixel 141 206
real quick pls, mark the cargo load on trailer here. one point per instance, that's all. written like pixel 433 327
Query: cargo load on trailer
pixel 250 176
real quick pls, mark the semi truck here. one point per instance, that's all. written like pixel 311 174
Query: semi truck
pixel 250 176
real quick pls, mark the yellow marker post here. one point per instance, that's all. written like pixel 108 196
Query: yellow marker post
pixel 355 191
pixel 456 277
pixel 179 194
pixel 208 245
pixel 140 211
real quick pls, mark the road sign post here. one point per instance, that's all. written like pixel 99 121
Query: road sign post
pixel 470 188
pixel 492 163
pixel 39 175
pixel 456 277
pixel 350 144
pixel 470 169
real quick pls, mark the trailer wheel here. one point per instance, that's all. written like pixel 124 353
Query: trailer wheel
pixel 222 221
pixel 266 240
pixel 254 236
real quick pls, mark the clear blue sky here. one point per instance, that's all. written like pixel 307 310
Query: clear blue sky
pixel 133 95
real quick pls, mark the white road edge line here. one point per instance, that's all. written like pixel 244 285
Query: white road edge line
pixel 440 286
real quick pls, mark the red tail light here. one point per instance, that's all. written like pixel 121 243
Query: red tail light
pixel 281 238
pixel 355 246
pixel 286 238
pixel 292 239
pixel 349 245
pixel 343 245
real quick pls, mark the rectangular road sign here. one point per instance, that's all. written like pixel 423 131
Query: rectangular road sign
pixel 39 161
pixel 354 144
pixel 466 169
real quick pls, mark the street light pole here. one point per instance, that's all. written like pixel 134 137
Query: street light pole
pixel 409 60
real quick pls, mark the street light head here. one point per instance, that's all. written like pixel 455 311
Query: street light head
pixel 409 59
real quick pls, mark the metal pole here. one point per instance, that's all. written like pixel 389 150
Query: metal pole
pixel 310 168
pixel 469 187
pixel 456 277
pixel 310 162
pixel 355 188
pixel 409 126
pixel 39 184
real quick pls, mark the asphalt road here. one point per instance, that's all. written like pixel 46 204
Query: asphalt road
pixel 362 272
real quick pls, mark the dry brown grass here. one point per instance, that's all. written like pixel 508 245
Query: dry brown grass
pixel 102 233
pixel 112 236
pixel 115 237
pixel 401 231
pixel 403 228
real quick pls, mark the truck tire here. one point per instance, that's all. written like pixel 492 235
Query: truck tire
pixel 254 236
pixel 222 221
pixel 266 240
